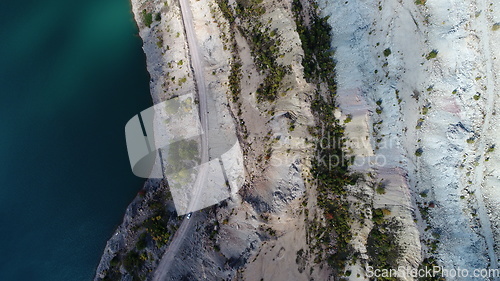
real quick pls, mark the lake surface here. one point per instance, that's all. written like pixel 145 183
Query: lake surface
pixel 71 75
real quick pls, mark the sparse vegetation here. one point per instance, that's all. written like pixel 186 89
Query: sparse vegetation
pixel 387 52
pixel 331 178
pixel 380 188
pixel 420 122
pixel 142 242
pixel 382 244
pixel 147 18
pixel 429 263
pixel 433 54
pixel 265 47
pixel 316 40
pixel 113 272
pixel 159 43
pixel 235 74
pixel 182 80
pixel 235 78
pixel 425 110
pixel 133 257
pixel 132 262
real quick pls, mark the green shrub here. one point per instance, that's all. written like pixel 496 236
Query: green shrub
pixel 433 54
pixel 380 189
pixel 382 245
pixel 142 242
pixel 132 262
pixel 226 10
pixel 430 263
pixel 378 216
pixel 159 43
pixel 419 152
pixel 420 122
pixel 112 275
pixel 425 110
pixel 316 40
pixel 264 47
pixel 331 180
pixel 182 80
pixel 147 18
pixel 115 261
pixel 387 52
pixel 235 78
pixel 157 224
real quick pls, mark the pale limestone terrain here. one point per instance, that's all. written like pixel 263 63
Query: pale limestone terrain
pixel 429 104
pixel 263 227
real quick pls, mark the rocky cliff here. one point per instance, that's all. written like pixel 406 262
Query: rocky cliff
pixel 360 146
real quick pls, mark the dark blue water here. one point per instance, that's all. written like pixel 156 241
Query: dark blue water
pixel 71 75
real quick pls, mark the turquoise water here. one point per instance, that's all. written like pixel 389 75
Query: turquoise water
pixel 71 75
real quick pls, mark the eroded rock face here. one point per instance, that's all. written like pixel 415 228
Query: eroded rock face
pixel 419 125
pixel 422 73
pixel 264 214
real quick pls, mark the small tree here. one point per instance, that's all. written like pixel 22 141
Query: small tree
pixel 147 18
pixel 433 54
pixel 387 52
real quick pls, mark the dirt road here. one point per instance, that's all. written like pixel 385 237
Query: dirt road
pixel 197 64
